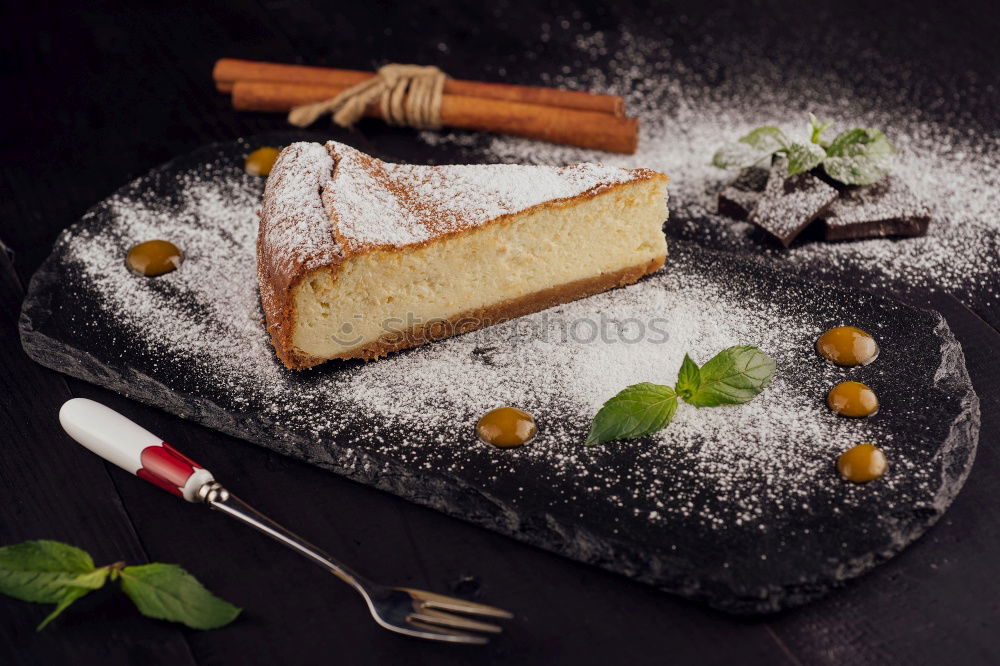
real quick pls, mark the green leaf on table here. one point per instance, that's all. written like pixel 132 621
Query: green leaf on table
pixel 859 157
pixel 638 410
pixel 732 377
pixel 168 592
pixel 688 378
pixel 804 156
pixel 737 156
pixel 752 148
pixel 69 595
pixel 857 140
pixel 766 139
pixel 48 572
pixel 56 573
pixel 40 571
pixel 854 157
pixel 816 129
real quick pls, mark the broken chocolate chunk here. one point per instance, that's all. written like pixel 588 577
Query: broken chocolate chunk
pixel 789 203
pixel 739 198
pixel 886 208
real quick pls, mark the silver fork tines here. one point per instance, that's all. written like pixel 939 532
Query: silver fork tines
pixel 404 610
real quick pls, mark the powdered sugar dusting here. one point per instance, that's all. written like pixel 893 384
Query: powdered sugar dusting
pixel 720 490
pixel 374 203
pixel 788 204
pixel 297 220
pixel 884 201
pixel 298 231
pixel 418 407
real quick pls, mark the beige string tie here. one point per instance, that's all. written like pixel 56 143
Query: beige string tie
pixel 407 95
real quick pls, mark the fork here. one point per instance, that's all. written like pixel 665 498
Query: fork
pixel 403 610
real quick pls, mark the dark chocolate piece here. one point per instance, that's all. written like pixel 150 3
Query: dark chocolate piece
pixel 789 204
pixel 739 198
pixel 886 208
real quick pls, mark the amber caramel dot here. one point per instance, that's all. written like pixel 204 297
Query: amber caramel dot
pixel 847 345
pixel 506 427
pixel 862 463
pixel 260 161
pixel 155 257
pixel 852 399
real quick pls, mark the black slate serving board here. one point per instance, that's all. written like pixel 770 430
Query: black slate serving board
pixel 788 554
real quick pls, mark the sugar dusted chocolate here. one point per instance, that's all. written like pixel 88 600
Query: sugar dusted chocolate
pixel 789 204
pixel 886 208
pixel 740 197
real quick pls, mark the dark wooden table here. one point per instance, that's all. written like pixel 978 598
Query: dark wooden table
pixel 100 95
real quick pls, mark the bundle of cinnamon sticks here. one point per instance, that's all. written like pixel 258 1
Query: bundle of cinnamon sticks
pixel 567 117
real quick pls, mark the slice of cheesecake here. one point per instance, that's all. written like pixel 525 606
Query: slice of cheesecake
pixel 358 258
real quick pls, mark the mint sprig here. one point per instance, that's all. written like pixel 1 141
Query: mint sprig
pixel 168 592
pixel 759 144
pixel 688 378
pixel 56 573
pixel 816 129
pixel 734 376
pixel 804 157
pixel 48 572
pixel 638 410
pixel 857 156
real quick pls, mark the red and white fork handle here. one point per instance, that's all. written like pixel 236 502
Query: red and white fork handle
pixel 133 448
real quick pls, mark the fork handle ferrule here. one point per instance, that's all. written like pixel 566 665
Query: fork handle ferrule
pixel 133 448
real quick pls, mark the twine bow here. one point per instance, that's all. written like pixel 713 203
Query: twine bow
pixel 407 95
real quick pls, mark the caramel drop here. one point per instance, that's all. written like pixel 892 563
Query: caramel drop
pixel 506 427
pixel 260 161
pixel 153 258
pixel 847 345
pixel 862 463
pixel 852 399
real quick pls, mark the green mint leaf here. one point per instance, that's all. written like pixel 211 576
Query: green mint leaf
pixel 638 410
pixel 70 594
pixel 48 572
pixel 688 378
pixel 859 140
pixel 734 376
pixel 755 147
pixel 804 156
pixel 858 170
pixel 737 156
pixel 168 592
pixel 859 157
pixel 766 139
pixel 40 571
pixel 816 129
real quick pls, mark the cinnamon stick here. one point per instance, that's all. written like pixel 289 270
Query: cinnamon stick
pixel 586 129
pixel 227 71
